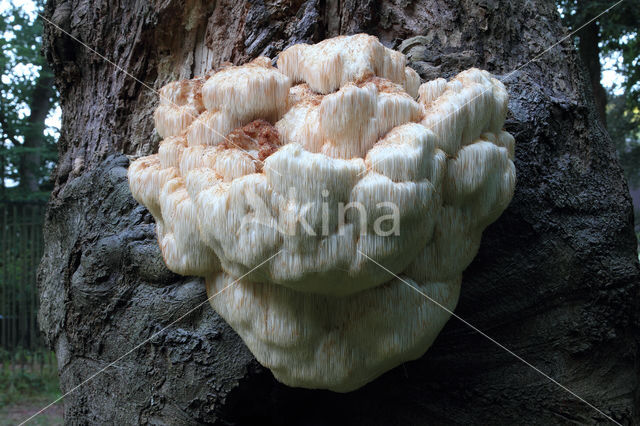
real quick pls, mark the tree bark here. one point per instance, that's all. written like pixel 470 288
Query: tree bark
pixel 555 281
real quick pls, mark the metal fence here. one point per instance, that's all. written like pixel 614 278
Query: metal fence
pixel 21 248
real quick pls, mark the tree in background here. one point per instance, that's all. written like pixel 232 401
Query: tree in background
pixel 624 128
pixel 613 36
pixel 27 151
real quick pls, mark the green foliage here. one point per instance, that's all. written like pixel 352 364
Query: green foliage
pixel 23 68
pixel 28 374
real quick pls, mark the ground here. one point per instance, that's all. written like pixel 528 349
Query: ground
pixel 19 411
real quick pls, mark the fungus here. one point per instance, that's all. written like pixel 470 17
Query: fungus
pixel 336 157
pixel 332 63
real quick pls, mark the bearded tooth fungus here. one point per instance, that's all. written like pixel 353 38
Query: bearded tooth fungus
pixel 336 156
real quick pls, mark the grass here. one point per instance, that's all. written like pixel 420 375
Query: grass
pixel 29 382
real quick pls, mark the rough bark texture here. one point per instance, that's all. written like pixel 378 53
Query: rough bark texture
pixel 556 279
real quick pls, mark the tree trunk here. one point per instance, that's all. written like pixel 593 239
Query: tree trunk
pixel 588 46
pixel 40 104
pixel 555 281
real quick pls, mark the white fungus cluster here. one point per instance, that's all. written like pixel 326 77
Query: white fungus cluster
pixel 336 157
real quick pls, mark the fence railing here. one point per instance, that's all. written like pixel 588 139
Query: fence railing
pixel 21 248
